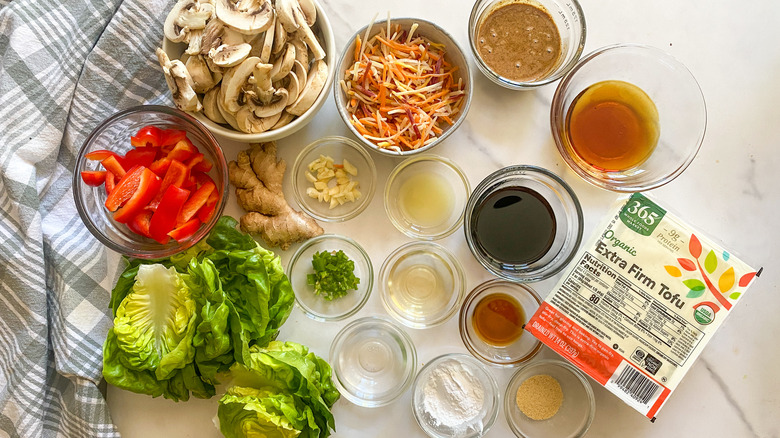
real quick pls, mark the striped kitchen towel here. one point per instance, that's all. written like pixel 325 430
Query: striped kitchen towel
pixel 65 65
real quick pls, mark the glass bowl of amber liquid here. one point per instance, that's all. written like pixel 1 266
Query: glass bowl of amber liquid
pixel 492 321
pixel 628 118
pixel 523 44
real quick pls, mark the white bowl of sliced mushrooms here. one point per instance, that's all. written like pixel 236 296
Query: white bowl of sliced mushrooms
pixel 250 70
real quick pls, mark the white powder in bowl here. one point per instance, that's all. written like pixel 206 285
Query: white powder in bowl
pixel 453 397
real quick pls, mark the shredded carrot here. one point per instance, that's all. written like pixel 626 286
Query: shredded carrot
pixel 401 89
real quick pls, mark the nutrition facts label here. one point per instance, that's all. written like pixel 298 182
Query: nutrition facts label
pixel 595 296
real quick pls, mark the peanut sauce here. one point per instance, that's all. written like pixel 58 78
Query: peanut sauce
pixel 519 41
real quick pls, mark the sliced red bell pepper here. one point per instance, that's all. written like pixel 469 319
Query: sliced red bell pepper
pixel 161 166
pixel 101 154
pixel 111 181
pixel 147 136
pixel 194 160
pixel 195 202
pixel 94 178
pixel 148 185
pixel 139 157
pixel 176 175
pixel 113 165
pixel 139 224
pixel 185 230
pixel 172 136
pixel 205 165
pixel 124 189
pixel 205 212
pixel 164 218
pixel 183 150
pixel 201 178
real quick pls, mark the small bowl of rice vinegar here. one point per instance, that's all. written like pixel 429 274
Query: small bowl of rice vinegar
pixel 628 118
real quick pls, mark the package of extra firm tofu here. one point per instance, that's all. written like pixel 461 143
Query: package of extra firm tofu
pixel 639 302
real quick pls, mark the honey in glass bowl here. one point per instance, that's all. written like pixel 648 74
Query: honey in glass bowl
pixel 613 125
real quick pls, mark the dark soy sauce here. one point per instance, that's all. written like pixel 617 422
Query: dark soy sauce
pixel 514 225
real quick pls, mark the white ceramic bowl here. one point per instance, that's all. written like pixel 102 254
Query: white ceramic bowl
pixel 324 32
pixel 434 33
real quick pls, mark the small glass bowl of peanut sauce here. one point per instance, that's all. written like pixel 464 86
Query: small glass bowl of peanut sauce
pixel 523 44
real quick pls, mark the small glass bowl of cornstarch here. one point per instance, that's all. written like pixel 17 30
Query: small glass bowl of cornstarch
pixel 455 396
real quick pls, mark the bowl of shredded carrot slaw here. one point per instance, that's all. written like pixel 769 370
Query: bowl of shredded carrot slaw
pixel 402 85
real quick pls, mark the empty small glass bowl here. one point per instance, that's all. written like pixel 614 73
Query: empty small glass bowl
pixel 524 347
pixel 373 361
pixel 682 115
pixel 421 284
pixel 315 306
pixel 431 408
pixel 338 148
pixel 568 18
pixel 114 135
pixel 425 197
pixel 564 212
pixel 575 414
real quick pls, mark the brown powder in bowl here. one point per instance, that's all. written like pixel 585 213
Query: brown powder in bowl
pixel 539 397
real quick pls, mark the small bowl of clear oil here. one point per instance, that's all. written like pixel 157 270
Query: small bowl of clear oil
pixel 421 284
pixel 426 196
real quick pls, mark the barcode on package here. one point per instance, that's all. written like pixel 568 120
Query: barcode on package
pixel 639 389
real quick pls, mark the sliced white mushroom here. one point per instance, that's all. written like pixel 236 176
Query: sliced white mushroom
pixel 248 122
pixel 285 119
pixel 283 63
pixel 261 77
pixel 186 16
pixel 317 75
pixel 280 37
pixel 301 51
pixel 234 81
pixel 246 16
pixel 210 108
pixel 202 77
pixel 292 86
pixel 274 107
pixel 230 56
pixel 285 12
pixel 308 36
pixel 179 82
pixel 309 11
pixel 268 44
pixel 195 40
pixel 300 73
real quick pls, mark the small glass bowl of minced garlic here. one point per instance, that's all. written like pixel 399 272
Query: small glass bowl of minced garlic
pixel 549 398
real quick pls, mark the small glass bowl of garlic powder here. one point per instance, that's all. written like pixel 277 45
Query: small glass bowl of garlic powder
pixel 455 396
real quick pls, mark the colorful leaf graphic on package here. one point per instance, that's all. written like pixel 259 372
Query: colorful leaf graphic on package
pixel 696 288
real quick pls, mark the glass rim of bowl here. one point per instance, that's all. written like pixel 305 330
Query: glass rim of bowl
pixel 401 337
pixel 363 254
pixel 474 18
pixel 558 116
pixel 298 165
pixel 541 272
pixel 509 398
pixel 450 164
pixel 473 363
pixel 81 160
pixel 485 288
pixel 390 262
pixel 467 77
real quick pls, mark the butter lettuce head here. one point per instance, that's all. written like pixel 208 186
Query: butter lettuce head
pixel 285 369
pixel 151 340
pixel 180 321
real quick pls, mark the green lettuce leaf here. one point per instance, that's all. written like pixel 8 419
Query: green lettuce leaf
pixel 265 412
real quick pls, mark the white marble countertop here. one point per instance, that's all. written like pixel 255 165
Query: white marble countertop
pixel 729 192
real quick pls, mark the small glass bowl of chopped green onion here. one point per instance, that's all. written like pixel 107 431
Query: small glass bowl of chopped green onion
pixel 332 277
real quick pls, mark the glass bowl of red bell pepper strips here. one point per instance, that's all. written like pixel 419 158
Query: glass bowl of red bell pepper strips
pixel 150 181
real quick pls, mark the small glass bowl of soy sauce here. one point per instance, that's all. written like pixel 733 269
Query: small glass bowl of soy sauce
pixel 523 223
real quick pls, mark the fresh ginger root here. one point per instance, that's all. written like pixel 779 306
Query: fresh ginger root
pixel 258 177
